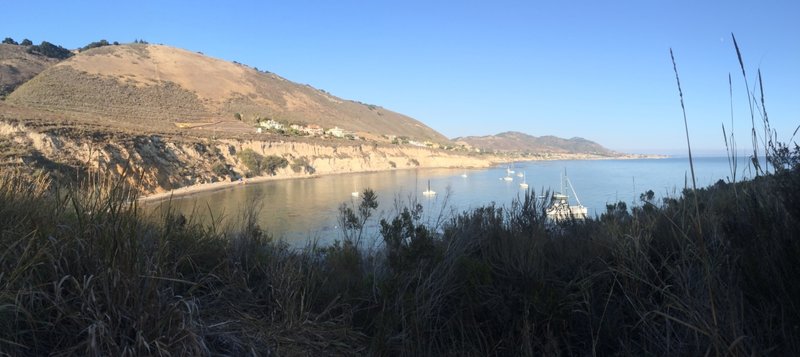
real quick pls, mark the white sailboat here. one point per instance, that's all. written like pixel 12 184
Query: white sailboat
pixel 464 175
pixel 429 192
pixel 524 184
pixel 560 209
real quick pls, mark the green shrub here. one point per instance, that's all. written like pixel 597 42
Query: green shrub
pixel 96 44
pixel 272 163
pixel 252 160
pixel 220 169
pixel 48 49
pixel 302 164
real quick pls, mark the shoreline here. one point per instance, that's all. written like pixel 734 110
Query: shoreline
pixel 221 185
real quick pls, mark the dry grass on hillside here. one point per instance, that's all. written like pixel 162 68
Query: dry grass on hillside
pixel 17 66
pixel 156 84
pixel 63 88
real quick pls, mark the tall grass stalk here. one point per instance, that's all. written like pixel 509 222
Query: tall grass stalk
pixel 750 100
pixel 688 142
pixel 730 141
pixel 698 219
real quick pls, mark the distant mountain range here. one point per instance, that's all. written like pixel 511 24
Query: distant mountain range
pixel 516 142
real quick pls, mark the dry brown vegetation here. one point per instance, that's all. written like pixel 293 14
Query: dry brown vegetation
pixel 69 90
pixel 18 66
pixel 161 85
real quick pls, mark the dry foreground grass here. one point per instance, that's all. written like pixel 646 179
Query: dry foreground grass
pixel 85 272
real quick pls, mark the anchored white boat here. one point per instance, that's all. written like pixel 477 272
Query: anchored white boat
pixel 560 209
pixel 429 192
pixel 524 184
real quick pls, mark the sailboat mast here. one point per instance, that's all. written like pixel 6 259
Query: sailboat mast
pixel 573 191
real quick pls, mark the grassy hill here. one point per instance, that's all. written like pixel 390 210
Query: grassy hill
pixel 512 141
pixel 18 66
pixel 157 86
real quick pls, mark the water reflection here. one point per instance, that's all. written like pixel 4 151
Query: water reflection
pixel 299 209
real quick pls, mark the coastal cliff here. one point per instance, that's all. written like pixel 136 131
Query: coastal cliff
pixel 154 164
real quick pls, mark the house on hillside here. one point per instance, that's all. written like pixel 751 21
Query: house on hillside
pixel 337 132
pixel 271 125
pixel 314 129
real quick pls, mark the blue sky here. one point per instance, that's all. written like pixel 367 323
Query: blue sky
pixel 594 69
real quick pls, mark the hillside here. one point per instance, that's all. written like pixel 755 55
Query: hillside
pixel 516 142
pixel 18 66
pixel 155 86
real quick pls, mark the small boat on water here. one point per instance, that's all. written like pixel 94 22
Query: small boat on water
pixel 429 192
pixel 507 178
pixel 520 174
pixel 524 184
pixel 464 175
pixel 559 208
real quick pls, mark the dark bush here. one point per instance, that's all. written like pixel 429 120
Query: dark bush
pixel 220 169
pixel 48 49
pixel 302 164
pixel 100 43
pixel 252 160
pixel 272 163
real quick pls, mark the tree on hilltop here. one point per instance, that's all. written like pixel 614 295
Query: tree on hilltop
pixel 9 41
pixel 96 44
pixel 48 49
pixel 26 42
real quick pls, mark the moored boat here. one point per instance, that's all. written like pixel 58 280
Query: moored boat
pixel 429 192
pixel 560 209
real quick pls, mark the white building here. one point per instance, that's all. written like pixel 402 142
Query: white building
pixel 337 132
pixel 271 125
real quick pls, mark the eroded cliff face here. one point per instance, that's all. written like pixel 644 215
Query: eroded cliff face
pixel 155 164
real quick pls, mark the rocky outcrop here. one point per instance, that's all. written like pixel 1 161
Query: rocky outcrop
pixel 155 164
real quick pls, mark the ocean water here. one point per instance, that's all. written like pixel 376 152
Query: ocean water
pixel 301 209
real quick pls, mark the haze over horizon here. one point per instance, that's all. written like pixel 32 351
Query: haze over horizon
pixel 586 69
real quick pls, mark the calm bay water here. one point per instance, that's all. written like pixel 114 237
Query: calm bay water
pixel 299 209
